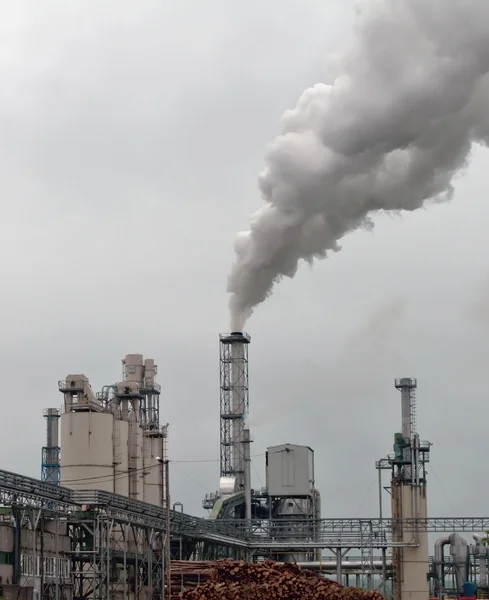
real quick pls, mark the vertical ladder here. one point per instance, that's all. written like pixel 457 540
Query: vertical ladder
pixel 414 424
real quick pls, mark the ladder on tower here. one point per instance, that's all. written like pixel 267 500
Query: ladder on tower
pixel 414 424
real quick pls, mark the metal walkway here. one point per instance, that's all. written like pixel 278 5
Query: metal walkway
pixel 26 492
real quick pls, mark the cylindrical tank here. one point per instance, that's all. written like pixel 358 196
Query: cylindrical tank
pixel 87 450
pixel 121 457
pixel 133 367
pixel 52 416
pixel 149 372
pixel 317 517
pixel 153 470
pixel 459 550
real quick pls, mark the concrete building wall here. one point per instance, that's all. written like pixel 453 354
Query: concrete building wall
pixel 52 543
pixel 6 538
pixel 121 457
pixel 15 592
pixel 153 471
pixel 6 574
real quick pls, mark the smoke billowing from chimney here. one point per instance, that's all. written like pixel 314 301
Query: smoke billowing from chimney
pixel 387 134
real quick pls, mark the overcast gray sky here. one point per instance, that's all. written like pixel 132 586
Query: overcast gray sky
pixel 131 136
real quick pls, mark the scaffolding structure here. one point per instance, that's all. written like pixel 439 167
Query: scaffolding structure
pixel 111 534
pixel 234 405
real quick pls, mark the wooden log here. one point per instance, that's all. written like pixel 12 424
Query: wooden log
pixel 233 580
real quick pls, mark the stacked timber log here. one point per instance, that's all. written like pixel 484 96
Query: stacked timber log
pixel 187 575
pixel 231 580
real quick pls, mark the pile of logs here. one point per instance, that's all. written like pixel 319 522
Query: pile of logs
pixel 228 580
pixel 187 575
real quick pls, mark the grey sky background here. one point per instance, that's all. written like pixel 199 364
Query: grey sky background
pixel 131 135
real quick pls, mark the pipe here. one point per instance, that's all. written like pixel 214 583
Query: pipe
pixel 317 517
pixel 347 565
pixel 439 563
pixel 238 384
pixel 168 530
pixel 459 550
pixel 384 553
pixel 41 556
pixel 17 546
pixel 416 487
pixel 247 474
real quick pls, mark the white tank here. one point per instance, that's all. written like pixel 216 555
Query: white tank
pixel 133 367
pixel 121 457
pixel 87 451
pixel 153 477
pixel 149 372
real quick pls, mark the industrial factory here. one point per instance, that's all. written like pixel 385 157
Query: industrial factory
pixel 101 523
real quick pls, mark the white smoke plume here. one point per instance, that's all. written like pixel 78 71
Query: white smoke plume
pixel 389 132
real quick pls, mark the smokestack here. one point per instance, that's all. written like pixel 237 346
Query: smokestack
pixel 247 474
pixel 50 469
pixel 387 133
pixel 234 406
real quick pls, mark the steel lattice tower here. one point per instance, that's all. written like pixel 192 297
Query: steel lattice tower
pixel 234 403
pixel 50 467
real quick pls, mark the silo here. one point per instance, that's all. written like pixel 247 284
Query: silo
pixel 87 450
pixel 151 390
pixel 133 367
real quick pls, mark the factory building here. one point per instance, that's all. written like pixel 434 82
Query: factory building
pixel 293 499
pixel 110 441
pixel 33 562
pixel 98 525
pixel 290 500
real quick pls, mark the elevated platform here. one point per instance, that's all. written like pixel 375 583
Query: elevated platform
pixel 26 492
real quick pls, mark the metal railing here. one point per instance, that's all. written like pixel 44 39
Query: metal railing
pixel 18 490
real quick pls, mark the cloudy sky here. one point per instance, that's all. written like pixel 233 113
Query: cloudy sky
pixel 131 135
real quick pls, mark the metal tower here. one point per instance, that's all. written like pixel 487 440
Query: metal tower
pixel 138 397
pixel 409 501
pixel 411 455
pixel 50 471
pixel 407 387
pixel 234 405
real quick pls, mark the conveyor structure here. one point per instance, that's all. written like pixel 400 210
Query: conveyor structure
pixel 91 515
